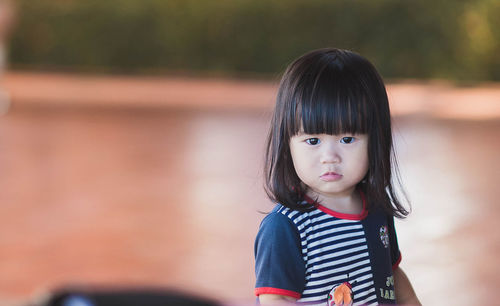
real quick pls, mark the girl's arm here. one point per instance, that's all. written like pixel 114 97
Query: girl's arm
pixel 405 294
pixel 276 299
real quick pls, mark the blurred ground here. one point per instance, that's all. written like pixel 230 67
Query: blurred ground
pixel 156 181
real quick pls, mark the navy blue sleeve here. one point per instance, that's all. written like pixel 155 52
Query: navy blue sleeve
pixel 393 241
pixel 279 265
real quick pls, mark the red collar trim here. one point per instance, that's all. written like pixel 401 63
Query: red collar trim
pixel 355 217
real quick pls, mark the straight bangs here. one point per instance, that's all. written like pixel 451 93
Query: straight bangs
pixel 333 103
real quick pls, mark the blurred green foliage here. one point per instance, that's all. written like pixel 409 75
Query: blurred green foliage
pixel 457 40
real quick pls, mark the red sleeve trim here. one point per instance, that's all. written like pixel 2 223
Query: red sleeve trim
pixel 396 264
pixel 270 290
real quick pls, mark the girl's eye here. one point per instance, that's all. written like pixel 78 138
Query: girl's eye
pixel 347 140
pixel 312 141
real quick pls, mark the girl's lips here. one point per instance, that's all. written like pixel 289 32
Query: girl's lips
pixel 330 176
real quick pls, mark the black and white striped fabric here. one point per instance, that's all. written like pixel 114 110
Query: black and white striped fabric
pixel 306 254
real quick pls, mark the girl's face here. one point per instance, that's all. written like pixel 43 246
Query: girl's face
pixel 330 165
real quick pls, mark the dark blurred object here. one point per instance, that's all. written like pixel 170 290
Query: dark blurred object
pixel 122 297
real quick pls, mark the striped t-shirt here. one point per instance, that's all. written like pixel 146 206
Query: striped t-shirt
pixel 307 254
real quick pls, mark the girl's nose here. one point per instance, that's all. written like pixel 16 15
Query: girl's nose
pixel 330 156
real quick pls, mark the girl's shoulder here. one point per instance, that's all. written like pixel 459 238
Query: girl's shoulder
pixel 282 215
pixel 293 213
pixel 279 215
pixel 278 228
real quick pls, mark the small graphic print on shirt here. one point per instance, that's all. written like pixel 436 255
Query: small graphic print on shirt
pixel 388 292
pixel 341 295
pixel 384 236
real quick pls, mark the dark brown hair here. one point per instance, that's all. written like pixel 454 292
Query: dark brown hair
pixel 332 91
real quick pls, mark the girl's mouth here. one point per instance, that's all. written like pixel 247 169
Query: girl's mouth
pixel 330 176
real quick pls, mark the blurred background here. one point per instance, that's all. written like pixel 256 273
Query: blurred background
pixel 132 136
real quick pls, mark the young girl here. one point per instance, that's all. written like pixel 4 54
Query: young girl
pixel 331 239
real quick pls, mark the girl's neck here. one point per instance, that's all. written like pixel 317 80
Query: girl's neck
pixel 345 203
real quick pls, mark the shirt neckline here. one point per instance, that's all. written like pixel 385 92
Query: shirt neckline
pixel 355 217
